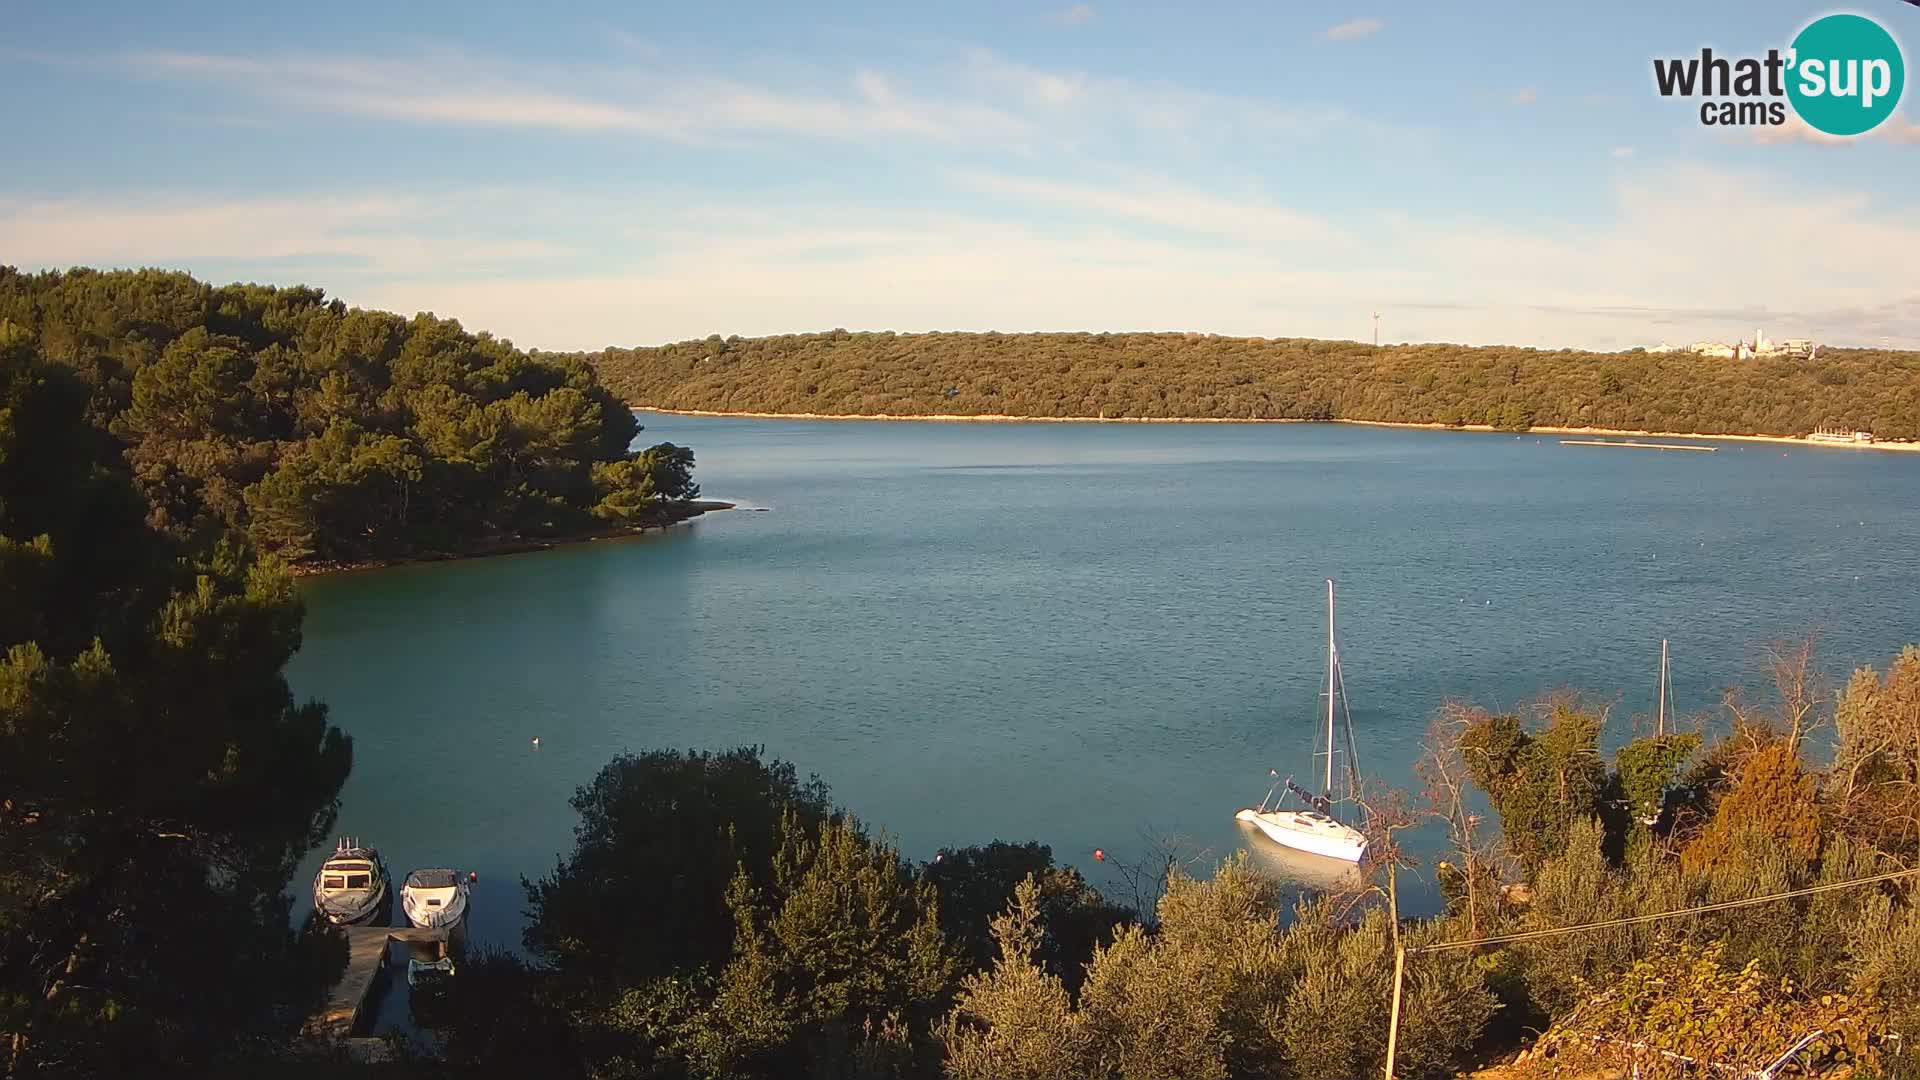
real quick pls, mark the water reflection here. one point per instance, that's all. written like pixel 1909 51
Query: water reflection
pixel 1296 869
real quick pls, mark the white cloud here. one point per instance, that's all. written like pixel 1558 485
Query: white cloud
pixel 434 91
pixel 1028 85
pixel 1137 253
pixel 323 235
pixel 977 99
pixel 1895 128
pixel 1526 95
pixel 1171 205
pixel 1076 109
pixel 634 43
pixel 450 88
pixel 1028 242
pixel 1635 278
pixel 1076 15
pixel 1355 28
pixel 1795 130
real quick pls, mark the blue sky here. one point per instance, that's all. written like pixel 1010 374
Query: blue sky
pixel 638 173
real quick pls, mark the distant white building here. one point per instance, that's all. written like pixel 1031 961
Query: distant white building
pixel 1760 345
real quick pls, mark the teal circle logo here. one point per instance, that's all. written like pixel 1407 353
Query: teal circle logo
pixel 1847 74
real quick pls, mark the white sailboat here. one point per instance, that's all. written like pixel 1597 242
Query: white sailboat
pixel 1316 830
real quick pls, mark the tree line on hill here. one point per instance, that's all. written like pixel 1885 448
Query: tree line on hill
pixel 1139 375
pixel 330 434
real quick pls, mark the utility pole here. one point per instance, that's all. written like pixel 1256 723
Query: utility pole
pixel 1393 1022
pixel 1376 330
pixel 1399 950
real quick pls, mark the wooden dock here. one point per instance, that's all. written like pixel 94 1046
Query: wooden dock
pixel 341 1016
pixel 1640 445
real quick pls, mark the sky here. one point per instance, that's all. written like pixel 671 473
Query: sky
pixel 637 173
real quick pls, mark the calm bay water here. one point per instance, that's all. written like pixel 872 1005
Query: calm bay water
pixel 1080 634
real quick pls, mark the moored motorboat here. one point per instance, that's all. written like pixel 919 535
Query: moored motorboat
pixel 435 898
pixel 351 886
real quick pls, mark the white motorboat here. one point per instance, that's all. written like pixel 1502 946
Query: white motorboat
pixel 351 886
pixel 1316 829
pixel 435 898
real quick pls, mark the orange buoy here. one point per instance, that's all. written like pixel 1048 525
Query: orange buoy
pixel 1099 855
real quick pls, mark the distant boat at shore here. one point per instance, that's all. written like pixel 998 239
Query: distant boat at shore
pixel 1841 436
pixel 1316 830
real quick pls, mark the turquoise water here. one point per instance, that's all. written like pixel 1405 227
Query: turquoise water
pixel 1082 634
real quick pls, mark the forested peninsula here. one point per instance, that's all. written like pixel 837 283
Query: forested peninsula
pixel 330 435
pixel 1204 376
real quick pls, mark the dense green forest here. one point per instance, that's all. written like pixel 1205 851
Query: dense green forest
pixel 158 782
pixel 330 434
pixel 1202 375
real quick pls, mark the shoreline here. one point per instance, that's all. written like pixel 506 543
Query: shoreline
pixel 1541 429
pixel 515 545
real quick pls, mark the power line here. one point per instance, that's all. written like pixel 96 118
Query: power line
pixel 1725 905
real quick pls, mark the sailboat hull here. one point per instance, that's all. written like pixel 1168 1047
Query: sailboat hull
pixel 1316 834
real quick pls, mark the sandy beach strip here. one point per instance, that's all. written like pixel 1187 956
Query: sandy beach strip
pixel 1002 418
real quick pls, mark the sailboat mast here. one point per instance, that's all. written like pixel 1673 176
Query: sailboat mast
pixel 1330 677
pixel 1660 727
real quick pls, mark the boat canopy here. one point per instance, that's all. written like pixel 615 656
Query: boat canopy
pixel 430 879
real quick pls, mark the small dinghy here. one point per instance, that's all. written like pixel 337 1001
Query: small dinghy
pixel 430 974
pixel 351 886
pixel 435 899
